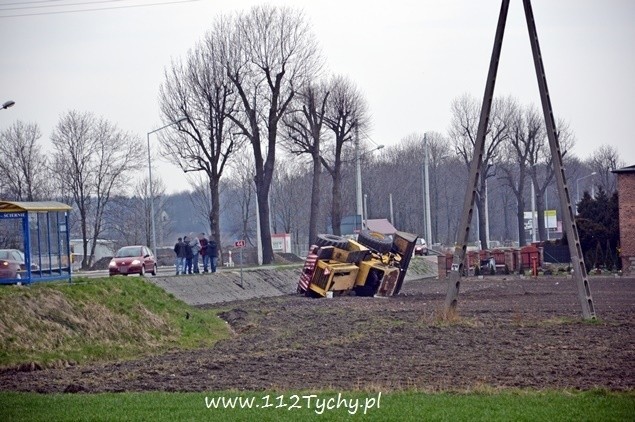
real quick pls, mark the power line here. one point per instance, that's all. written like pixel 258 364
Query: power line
pixel 83 3
pixel 367 136
pixel 29 2
pixel 96 9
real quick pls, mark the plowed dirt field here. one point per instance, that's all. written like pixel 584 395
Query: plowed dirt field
pixel 507 333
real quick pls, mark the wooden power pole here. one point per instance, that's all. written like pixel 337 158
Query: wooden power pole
pixel 571 230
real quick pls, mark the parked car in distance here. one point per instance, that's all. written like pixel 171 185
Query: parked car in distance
pixel 421 248
pixel 17 255
pixel 11 263
pixel 136 259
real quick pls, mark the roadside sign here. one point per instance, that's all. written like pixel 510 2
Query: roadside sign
pixel 240 244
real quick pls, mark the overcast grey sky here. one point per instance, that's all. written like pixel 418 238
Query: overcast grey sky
pixel 411 58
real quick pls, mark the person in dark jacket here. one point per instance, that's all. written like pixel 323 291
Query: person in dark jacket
pixel 188 255
pixel 203 241
pixel 179 250
pixel 212 253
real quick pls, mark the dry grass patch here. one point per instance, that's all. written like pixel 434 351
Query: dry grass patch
pixel 97 319
pixel 440 316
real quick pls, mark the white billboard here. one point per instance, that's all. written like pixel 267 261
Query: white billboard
pixel 551 220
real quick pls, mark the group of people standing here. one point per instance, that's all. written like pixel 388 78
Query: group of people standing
pixel 187 254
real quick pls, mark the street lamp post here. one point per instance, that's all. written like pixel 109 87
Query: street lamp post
pixel 154 233
pixel 534 223
pixel 577 186
pixel 358 184
pixel 545 217
pixel 358 179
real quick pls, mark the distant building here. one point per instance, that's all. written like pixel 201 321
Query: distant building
pixel 626 195
pixel 281 242
pixel 381 225
pixel 350 224
pixel 105 248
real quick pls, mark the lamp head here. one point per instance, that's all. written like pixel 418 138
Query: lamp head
pixel 8 104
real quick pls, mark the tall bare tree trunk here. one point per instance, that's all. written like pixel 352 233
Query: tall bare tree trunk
pixel 315 198
pixel 336 205
pixel 520 217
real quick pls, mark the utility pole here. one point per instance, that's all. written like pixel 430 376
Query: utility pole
pixel 258 236
pixel 579 268
pixel 427 190
pixel 575 249
pixel 423 196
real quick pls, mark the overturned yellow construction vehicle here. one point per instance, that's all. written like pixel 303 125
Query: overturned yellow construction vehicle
pixel 372 265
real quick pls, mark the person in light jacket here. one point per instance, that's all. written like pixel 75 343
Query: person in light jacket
pixel 196 248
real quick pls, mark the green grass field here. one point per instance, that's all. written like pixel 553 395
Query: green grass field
pixel 120 318
pixel 499 406
pixel 98 319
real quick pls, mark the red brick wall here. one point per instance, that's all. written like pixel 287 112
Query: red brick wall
pixel 626 192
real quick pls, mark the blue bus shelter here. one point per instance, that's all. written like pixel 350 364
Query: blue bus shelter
pixel 39 233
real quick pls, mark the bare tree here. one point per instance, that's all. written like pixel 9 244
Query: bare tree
pixel 452 189
pixel 603 161
pixel 289 199
pixel 270 54
pixel 303 135
pixel 202 202
pixel 122 217
pixel 463 128
pixel 346 110
pixel 438 153
pixel 200 92
pixel 24 168
pixel 241 198
pixel 526 136
pixel 541 169
pixel 123 222
pixel 142 191
pixel 93 157
pixel 404 162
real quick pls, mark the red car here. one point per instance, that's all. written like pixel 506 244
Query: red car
pixel 10 264
pixel 133 260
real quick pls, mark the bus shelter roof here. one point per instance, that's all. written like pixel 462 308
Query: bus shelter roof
pixel 11 206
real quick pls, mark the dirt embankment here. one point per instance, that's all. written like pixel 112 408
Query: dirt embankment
pixel 508 333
